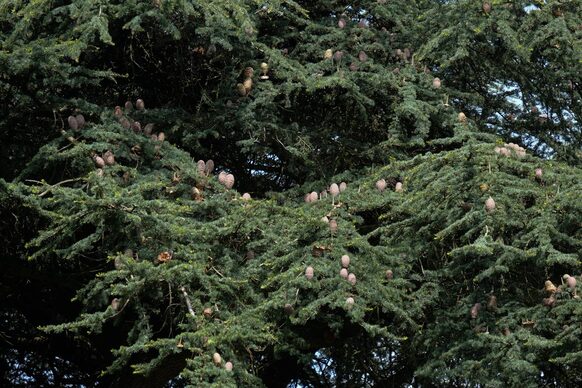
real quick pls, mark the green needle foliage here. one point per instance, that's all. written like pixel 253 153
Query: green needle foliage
pixel 242 193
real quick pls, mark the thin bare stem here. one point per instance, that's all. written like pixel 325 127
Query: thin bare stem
pixel 188 303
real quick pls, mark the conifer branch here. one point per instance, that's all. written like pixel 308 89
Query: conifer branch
pixel 55 185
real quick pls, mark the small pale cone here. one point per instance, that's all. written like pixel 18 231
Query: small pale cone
pixel 209 167
pixel 344 273
pixel 309 273
pixel 490 204
pixel 343 186
pixel 264 67
pixel 549 287
pixel 139 104
pixel 229 181
pixel 475 310
pixel 128 105
pixel 398 187
pixel 161 137
pixel 99 162
pixel 207 312
pixel 307 198
pixel 341 23
pixel 334 190
pixel 571 281
pixel 436 83
pixel 216 359
pixel 462 117
pixel 136 127
pixel 325 219
pixel 115 303
pixel 242 91
pixel 353 66
pixel 538 172
pixel 246 196
pixel 362 56
pixel 109 158
pixel 328 54
pixel 100 172
pixel 228 366
pixel 222 177
pixel 80 120
pixel 117 111
pixel 389 274
pixel 352 279
pixel 201 166
pixel 248 84
pixel 350 301
pixel 333 226
pixel 345 261
pixel 125 123
pixel 313 196
pixel 381 185
pixel 486 7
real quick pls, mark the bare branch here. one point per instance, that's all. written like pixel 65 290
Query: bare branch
pixel 188 303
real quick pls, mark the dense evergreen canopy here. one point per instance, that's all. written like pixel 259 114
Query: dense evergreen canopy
pixel 291 193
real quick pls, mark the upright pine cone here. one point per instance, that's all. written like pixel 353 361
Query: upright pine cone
pixel 80 120
pixel 109 158
pixel 209 167
pixel 222 177
pixel 381 185
pixel 490 204
pixel 73 123
pixel 229 181
pixel 334 190
pixel 201 167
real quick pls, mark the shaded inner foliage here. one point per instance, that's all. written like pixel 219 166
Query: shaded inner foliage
pixel 454 125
